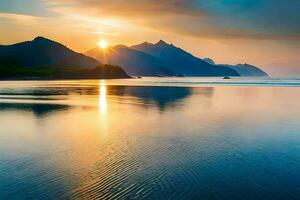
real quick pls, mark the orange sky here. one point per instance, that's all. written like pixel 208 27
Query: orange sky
pixel 236 32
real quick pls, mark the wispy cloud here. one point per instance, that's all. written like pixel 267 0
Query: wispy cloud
pixel 20 18
pixel 133 8
pixel 231 19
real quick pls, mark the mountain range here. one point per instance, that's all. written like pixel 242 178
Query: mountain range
pixel 42 58
pixel 163 59
pixel 135 63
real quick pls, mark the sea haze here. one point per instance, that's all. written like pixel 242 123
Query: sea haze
pixel 150 138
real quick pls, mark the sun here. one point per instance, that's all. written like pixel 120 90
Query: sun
pixel 103 44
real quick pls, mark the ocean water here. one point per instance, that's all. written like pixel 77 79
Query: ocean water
pixel 150 138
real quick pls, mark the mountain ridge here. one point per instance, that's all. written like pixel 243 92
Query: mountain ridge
pixel 46 53
pixel 242 69
pixel 196 65
pixel 42 58
pixel 135 63
pixel 182 61
pixel 163 55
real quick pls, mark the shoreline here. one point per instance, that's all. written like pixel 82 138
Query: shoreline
pixel 59 79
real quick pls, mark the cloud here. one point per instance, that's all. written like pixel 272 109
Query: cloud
pixel 20 18
pixel 132 8
pixel 227 19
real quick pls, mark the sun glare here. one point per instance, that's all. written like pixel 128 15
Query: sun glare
pixel 103 44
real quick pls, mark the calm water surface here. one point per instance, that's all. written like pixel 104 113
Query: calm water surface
pixel 149 139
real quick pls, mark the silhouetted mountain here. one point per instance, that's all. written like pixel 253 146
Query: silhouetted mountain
pixel 135 63
pixel 248 70
pixel 180 61
pixel 42 58
pixel 44 52
pixel 163 59
pixel 242 69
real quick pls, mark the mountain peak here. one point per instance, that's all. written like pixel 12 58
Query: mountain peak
pixel 46 42
pixel 162 43
pixel 40 38
pixel 245 64
pixel 209 61
pixel 121 46
pixel 145 43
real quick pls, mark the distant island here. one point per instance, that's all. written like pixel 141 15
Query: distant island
pixel 42 58
pixel 163 59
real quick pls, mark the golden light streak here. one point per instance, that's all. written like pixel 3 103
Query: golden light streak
pixel 102 98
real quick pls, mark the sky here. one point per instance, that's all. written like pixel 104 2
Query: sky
pixel 265 33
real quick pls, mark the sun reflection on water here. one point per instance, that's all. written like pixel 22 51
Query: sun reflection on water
pixel 102 97
pixel 103 121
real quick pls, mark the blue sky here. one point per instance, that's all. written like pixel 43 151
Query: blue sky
pixel 27 7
